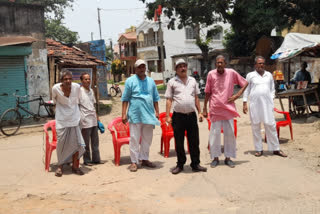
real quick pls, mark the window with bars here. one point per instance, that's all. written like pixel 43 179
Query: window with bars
pixel 190 33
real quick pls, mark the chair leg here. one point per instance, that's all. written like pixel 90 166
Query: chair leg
pixel 161 145
pixel 290 126
pixel 235 128
pixel 48 158
pixel 278 132
pixel 117 156
pixel 166 146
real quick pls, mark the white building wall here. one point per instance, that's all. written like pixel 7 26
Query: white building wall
pixel 175 43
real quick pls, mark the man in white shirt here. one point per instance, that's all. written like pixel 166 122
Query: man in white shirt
pixel 89 121
pixel 261 93
pixel 70 146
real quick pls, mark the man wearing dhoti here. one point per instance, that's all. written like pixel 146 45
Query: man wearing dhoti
pixel 219 93
pixel 261 93
pixel 70 146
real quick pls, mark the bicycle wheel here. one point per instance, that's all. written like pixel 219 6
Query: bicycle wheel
pixel 113 91
pixel 10 122
pixel 119 92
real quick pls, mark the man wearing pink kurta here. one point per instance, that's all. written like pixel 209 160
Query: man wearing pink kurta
pixel 222 109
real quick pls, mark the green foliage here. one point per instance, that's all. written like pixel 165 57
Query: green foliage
pixel 197 14
pixel 117 67
pixel 57 31
pixel 109 52
pixel 54 14
pixel 249 19
pixel 161 87
pixel 51 7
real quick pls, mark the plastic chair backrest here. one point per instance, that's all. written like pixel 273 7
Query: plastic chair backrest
pixel 164 126
pixel 50 125
pixel 286 114
pixel 122 130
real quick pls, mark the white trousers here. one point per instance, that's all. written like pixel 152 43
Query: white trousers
pixel 140 151
pixel 229 139
pixel 271 134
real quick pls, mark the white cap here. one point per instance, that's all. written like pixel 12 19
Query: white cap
pixel 139 62
pixel 180 61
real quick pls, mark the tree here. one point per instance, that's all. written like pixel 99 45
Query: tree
pixel 117 68
pixel 249 19
pixel 54 15
pixel 55 7
pixel 196 14
pixel 57 31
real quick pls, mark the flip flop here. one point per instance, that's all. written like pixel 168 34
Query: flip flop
pixel 280 153
pixel 148 163
pixel 77 171
pixel 58 172
pixel 133 167
pixel 258 154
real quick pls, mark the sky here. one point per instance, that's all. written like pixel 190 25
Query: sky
pixel 83 18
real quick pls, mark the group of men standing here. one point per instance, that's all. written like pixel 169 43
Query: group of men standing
pixel 140 108
pixel 76 123
pixel 76 117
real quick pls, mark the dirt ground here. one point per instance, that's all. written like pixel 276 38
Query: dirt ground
pixel 268 184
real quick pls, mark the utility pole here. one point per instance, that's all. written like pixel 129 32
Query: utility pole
pixel 99 22
pixel 91 36
pixel 111 48
pixel 161 50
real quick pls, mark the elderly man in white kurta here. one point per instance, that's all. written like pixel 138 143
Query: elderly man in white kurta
pixel 261 93
pixel 70 146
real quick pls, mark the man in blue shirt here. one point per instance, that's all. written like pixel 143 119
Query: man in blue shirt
pixel 302 75
pixel 142 96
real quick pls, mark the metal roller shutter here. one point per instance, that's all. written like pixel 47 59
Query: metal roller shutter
pixel 12 78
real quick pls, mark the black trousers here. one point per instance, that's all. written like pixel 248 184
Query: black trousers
pixel 180 124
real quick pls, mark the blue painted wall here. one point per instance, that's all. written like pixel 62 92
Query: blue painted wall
pixel 98 49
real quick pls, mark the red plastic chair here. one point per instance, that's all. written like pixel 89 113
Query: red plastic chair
pixel 167 134
pixel 120 135
pixel 50 146
pixel 283 123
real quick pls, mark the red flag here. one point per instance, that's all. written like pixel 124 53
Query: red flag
pixel 159 10
pixel 155 15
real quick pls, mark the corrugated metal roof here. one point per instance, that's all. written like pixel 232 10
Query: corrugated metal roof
pixel 16 40
pixel 70 55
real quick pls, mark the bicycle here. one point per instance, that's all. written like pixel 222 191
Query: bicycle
pixel 115 90
pixel 11 119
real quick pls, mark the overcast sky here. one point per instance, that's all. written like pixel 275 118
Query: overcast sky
pixel 84 18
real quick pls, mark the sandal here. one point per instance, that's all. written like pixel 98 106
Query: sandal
pixel 77 171
pixel 58 172
pixel 280 153
pixel 258 154
pixel 148 163
pixel 133 167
